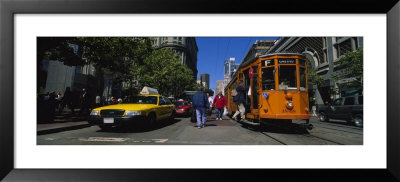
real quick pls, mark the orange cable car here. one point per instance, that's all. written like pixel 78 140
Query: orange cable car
pixel 277 88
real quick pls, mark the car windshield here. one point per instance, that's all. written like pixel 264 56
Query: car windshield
pixel 181 103
pixel 143 100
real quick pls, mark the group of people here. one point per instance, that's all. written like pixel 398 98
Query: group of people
pixel 69 100
pixel 200 103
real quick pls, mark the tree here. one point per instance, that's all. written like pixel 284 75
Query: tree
pixel 115 56
pixel 313 77
pixel 162 70
pixel 351 67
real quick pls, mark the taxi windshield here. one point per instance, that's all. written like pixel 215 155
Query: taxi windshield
pixel 143 100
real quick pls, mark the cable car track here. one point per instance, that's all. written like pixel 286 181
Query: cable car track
pixel 340 130
pixel 340 125
pixel 306 135
pixel 294 128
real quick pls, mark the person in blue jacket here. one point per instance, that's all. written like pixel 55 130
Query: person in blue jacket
pixel 240 99
pixel 200 103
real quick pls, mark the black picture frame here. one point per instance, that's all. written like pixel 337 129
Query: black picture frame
pixel 9 8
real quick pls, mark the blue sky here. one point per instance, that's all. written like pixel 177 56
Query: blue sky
pixel 213 51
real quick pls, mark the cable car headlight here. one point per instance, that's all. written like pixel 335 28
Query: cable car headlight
pixel 289 105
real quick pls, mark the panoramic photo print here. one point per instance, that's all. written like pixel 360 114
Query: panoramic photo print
pixel 199 91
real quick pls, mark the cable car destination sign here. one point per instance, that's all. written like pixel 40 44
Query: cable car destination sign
pixel 286 61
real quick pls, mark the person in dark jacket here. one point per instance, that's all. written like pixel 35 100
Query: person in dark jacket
pixel 85 102
pixel 67 100
pixel 241 96
pixel 200 103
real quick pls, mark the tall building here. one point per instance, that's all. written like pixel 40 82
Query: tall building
pixel 59 76
pixel 185 47
pixel 322 52
pixel 219 86
pixel 258 49
pixel 229 68
pixel 204 77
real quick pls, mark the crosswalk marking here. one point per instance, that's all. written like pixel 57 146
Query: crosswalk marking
pixel 103 139
pixel 108 139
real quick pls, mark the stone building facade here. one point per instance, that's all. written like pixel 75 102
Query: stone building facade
pixel 322 53
pixel 185 47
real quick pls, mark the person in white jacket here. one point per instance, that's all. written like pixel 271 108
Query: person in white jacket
pixel 210 100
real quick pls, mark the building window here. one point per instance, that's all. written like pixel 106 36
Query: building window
pixel 324 42
pixel 338 38
pixel 325 59
pixel 344 47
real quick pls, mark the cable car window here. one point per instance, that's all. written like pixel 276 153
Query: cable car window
pixel 287 77
pixel 302 72
pixel 302 62
pixel 268 78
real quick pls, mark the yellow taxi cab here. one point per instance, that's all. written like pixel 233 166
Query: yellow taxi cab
pixel 146 108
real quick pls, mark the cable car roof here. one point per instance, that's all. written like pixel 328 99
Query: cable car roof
pixel 243 64
pixel 281 53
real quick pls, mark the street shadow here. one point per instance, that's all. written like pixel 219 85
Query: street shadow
pixel 206 125
pixel 140 128
pixel 65 119
pixel 340 122
pixel 280 128
pixel 181 116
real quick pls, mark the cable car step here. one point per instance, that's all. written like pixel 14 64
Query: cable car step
pixel 249 122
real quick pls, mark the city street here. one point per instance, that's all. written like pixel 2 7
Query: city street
pixel 226 132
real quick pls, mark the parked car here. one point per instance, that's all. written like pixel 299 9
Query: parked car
pixel 142 109
pixel 183 107
pixel 349 108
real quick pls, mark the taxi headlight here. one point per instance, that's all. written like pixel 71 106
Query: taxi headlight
pixel 135 113
pixel 94 113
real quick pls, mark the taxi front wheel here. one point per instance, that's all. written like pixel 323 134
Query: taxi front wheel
pixel 151 119
pixel 172 117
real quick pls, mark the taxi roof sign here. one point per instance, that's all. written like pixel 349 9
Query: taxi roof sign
pixel 149 90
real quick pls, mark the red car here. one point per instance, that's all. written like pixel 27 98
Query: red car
pixel 183 108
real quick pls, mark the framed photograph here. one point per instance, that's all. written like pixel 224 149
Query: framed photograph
pixel 23 157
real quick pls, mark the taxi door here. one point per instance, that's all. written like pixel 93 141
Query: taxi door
pixel 170 107
pixel 164 107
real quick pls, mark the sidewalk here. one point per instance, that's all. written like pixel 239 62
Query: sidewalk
pixel 62 122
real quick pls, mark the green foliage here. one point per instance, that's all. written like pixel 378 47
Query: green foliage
pixel 350 66
pixel 125 58
pixel 313 76
pixel 162 70
pixel 115 56
pixel 118 56
pixel 58 48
